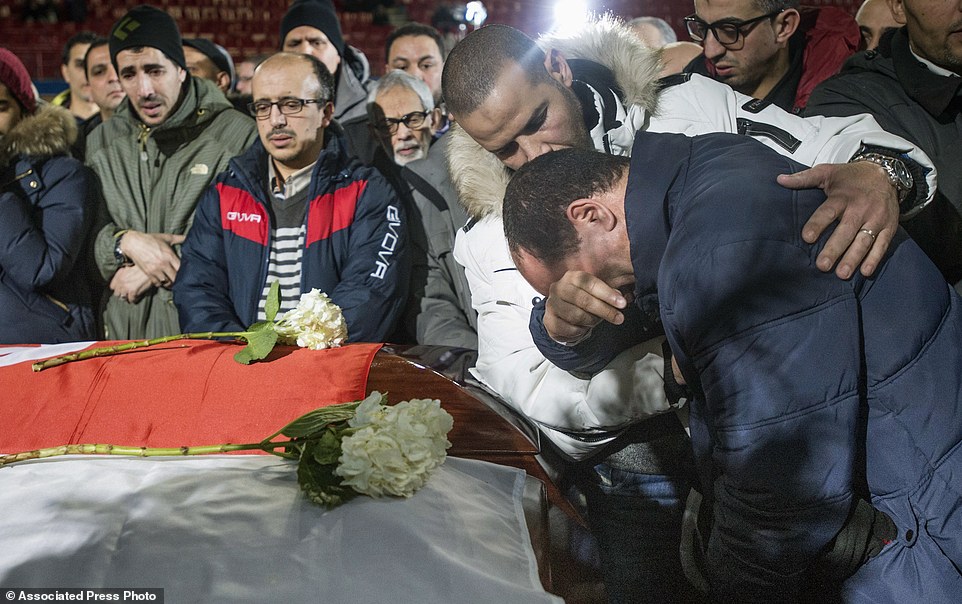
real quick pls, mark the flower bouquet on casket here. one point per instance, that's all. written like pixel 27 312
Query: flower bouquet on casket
pixel 358 448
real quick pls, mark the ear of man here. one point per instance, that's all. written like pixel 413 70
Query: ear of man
pixel 591 216
pixel 898 11
pixel 558 67
pixel 785 25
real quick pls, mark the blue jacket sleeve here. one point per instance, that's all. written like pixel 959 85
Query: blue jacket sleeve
pixel 592 354
pixel 43 230
pixel 376 270
pixel 202 289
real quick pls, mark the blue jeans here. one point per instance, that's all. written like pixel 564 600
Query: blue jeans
pixel 636 519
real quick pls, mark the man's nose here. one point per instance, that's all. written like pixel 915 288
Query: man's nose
pixel 531 148
pixel 145 87
pixel 277 118
pixel 712 47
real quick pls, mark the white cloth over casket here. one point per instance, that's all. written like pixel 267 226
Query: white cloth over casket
pixel 237 529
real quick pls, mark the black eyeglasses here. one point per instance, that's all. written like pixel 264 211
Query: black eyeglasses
pixel 413 120
pixel 728 32
pixel 289 106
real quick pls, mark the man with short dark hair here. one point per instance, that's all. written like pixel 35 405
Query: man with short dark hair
pixel 912 84
pixel 312 27
pixel 209 61
pixel 417 49
pixel 295 209
pixel 75 97
pixel 103 82
pixel 828 457
pixel 155 157
pixel 771 49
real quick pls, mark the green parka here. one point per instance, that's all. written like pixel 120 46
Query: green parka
pixel 152 179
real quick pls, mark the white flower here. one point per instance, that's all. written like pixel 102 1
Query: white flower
pixel 395 448
pixel 315 323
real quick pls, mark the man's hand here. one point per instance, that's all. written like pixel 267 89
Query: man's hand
pixel 860 196
pixel 153 254
pixel 578 302
pixel 130 283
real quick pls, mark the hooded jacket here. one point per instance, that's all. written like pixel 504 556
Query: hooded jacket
pixel 350 103
pixel 619 89
pixel 355 246
pixel 47 203
pixel 152 179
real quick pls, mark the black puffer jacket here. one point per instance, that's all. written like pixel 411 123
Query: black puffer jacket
pixel 47 201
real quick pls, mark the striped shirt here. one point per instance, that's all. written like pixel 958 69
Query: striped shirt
pixel 288 210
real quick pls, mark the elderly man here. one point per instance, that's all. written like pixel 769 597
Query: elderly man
pixel 829 458
pixel 154 158
pixel 598 87
pixel 911 84
pixel 874 18
pixel 312 27
pixel 771 49
pixel 403 113
pixel 653 31
pixel 296 209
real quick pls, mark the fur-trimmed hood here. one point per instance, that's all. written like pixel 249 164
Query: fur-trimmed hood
pixel 48 132
pixel 478 175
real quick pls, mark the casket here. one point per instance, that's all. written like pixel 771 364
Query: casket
pixel 235 528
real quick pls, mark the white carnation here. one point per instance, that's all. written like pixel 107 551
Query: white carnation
pixel 315 323
pixel 395 448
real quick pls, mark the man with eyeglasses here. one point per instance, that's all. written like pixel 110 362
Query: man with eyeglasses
pixel 771 49
pixel 154 159
pixel 297 209
pixel 404 116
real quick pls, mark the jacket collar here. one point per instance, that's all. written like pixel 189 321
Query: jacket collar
pixel 49 131
pixel 932 91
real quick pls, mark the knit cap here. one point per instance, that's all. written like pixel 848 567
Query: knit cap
pixel 145 25
pixel 314 13
pixel 14 76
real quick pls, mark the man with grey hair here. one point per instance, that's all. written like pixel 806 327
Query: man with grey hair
pixel 772 50
pixel 653 31
pixel 402 113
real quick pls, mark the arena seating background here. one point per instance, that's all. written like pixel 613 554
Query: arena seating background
pixel 246 27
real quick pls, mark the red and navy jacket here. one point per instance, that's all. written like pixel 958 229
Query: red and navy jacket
pixel 355 249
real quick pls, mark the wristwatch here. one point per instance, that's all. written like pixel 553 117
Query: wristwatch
pixel 895 169
pixel 119 256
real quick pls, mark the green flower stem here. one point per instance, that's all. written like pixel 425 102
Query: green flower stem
pixel 108 350
pixel 267 446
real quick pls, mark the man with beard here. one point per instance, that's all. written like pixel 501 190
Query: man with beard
pixel 154 158
pixel 597 88
pixel 297 209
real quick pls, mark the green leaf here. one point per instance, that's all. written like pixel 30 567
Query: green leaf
pixel 260 343
pixel 327 450
pixel 313 422
pixel 318 480
pixel 273 302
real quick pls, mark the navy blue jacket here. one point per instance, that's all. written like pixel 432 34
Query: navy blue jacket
pixel 808 391
pixel 355 247
pixel 46 209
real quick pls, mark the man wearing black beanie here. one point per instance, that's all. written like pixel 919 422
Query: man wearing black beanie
pixel 154 158
pixel 311 27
